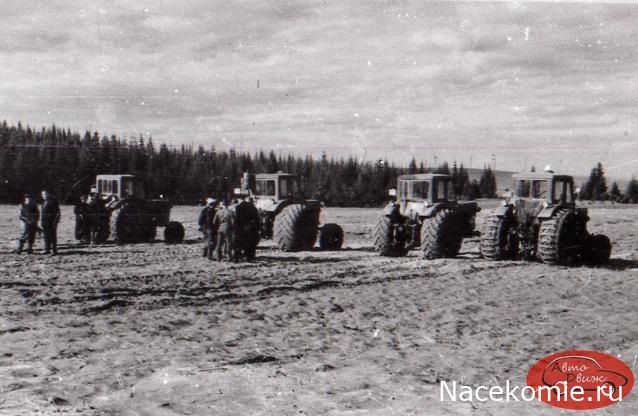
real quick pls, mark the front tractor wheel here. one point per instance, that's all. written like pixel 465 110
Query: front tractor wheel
pixel 296 227
pixel 499 240
pixel 174 233
pixel 331 237
pixel 440 235
pixel 387 239
pixel 597 249
pixel 560 239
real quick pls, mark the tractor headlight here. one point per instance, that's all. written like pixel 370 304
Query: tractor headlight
pixel 545 204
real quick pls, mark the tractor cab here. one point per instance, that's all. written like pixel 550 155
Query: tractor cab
pixel 275 186
pixel 119 186
pixel 425 189
pixel 537 190
pixel 271 191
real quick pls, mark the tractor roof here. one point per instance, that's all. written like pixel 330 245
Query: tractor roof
pixel 539 176
pixel 273 175
pixel 114 177
pixel 422 176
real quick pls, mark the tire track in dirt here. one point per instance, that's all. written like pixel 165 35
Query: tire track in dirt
pixel 161 289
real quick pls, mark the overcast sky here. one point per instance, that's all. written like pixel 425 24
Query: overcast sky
pixel 521 83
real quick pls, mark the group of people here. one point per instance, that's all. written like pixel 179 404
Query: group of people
pixel 230 229
pixel 48 217
pixel 91 220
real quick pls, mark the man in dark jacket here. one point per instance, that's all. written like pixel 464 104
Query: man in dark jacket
pixel 50 219
pixel 205 223
pixel 246 229
pixel 82 221
pixel 29 216
pixel 224 221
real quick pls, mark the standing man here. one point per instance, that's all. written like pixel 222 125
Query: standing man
pixel 252 229
pixel 94 217
pixel 246 230
pixel 29 216
pixel 205 222
pixel 224 221
pixel 82 224
pixel 49 221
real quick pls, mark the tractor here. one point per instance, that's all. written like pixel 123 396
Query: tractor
pixel 427 215
pixel 133 217
pixel 285 216
pixel 540 220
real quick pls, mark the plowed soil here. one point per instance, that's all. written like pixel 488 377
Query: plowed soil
pixel 153 329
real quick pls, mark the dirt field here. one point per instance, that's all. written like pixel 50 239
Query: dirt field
pixel 151 329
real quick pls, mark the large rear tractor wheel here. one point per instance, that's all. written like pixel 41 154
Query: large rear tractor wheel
pixel 441 236
pixel 174 233
pixel 560 239
pixel 386 240
pixel 126 225
pixel 331 237
pixel 499 240
pixel 597 249
pixel 296 227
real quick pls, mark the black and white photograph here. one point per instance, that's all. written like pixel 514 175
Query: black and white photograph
pixel 318 207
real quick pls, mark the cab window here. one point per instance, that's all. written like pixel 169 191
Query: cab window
pixel 522 189
pixel 451 193
pixel 100 186
pixel 265 187
pixel 563 192
pixel 130 186
pixel 403 190
pixel 539 189
pixel 419 189
pixel 286 187
pixel 440 191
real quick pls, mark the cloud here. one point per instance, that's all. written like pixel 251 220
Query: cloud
pixel 424 78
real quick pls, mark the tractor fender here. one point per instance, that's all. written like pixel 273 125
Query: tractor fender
pixel 430 211
pixel 390 209
pixel 547 212
pixel 427 212
pixel 278 206
pixel 503 211
pixel 582 212
pixel 468 207
pixel 115 203
pixel 271 206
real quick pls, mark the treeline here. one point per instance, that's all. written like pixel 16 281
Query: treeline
pixel 484 187
pixel 596 189
pixel 66 163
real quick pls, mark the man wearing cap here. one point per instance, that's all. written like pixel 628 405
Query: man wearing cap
pixel 49 220
pixel 224 221
pixel 206 226
pixel 29 216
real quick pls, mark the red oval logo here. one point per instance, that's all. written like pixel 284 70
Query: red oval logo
pixel 580 380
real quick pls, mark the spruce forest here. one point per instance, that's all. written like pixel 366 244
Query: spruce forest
pixel 66 163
